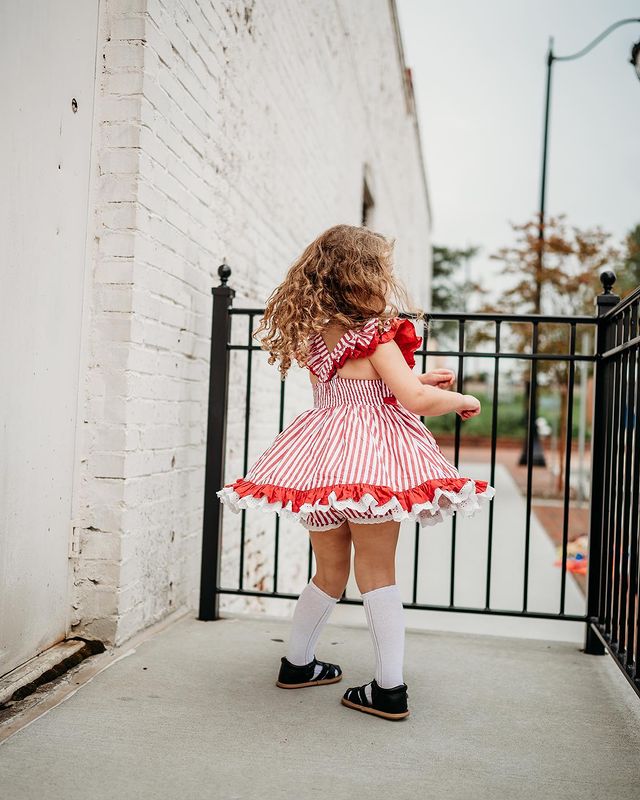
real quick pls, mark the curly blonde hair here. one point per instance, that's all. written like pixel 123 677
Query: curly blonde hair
pixel 343 277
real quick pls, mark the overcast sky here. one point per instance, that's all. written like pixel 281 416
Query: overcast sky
pixel 479 70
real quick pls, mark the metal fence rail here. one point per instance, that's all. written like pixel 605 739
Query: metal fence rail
pixel 612 610
pixel 612 614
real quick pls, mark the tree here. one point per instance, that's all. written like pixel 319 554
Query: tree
pixel 449 284
pixel 568 280
pixel 565 284
pixel 628 272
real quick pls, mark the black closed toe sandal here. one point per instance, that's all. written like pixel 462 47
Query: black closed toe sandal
pixel 387 703
pixel 292 676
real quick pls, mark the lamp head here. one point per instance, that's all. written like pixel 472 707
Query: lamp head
pixel 635 58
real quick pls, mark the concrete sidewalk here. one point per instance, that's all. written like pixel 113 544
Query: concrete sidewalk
pixel 193 713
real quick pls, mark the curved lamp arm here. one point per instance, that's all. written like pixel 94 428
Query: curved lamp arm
pixel 595 42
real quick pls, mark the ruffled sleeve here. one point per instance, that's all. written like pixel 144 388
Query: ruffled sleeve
pixel 362 343
pixel 404 333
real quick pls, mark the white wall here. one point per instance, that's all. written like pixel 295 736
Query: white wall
pixel 47 58
pixel 226 130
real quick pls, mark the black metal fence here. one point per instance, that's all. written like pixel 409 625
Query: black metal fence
pixel 613 558
pixel 611 616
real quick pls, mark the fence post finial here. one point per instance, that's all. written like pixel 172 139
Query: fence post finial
pixel 224 271
pixel 607 279
pixel 606 300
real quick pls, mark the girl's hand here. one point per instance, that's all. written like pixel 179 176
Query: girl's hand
pixel 442 378
pixel 469 407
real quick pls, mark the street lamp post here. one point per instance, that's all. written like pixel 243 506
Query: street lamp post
pixel 537 456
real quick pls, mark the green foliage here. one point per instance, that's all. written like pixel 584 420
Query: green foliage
pixel 450 287
pixel 511 416
pixel 510 419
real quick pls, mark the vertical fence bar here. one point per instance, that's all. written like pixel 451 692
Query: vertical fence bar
pixel 416 533
pixel 604 302
pixel 614 530
pixel 633 645
pixel 310 561
pixel 629 397
pixel 245 450
pixel 215 449
pixel 533 388
pixel 456 461
pixel 620 482
pixel 610 478
pixel 276 543
pixel 607 421
pixel 567 466
pixel 492 471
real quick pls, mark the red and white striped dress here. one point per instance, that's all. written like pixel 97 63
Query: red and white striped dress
pixel 358 454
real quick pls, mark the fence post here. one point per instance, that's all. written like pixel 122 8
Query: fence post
pixel 216 439
pixel 604 303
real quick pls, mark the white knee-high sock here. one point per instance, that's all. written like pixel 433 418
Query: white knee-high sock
pixel 385 617
pixel 312 610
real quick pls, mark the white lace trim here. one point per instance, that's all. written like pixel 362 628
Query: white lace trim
pixel 444 504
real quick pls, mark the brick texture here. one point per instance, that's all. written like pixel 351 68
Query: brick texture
pixel 231 131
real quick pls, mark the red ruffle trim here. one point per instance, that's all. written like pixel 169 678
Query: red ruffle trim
pixel 424 493
pixel 401 330
pixel 404 333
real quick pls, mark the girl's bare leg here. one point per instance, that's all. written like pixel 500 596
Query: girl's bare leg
pixel 375 554
pixel 332 550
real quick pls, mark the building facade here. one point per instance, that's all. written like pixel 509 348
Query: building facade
pixel 161 138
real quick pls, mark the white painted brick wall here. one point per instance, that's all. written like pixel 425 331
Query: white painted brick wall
pixel 231 131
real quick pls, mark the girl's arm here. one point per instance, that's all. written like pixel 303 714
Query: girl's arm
pixel 428 401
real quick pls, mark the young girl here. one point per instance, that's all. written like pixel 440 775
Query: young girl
pixel 360 461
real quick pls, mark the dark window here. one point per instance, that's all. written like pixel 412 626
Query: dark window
pixel 367 203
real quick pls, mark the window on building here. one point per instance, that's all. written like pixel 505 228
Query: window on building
pixel 367 203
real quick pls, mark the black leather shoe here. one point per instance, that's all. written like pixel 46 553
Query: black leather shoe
pixel 387 703
pixel 292 676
